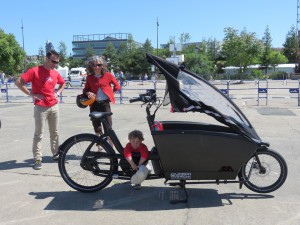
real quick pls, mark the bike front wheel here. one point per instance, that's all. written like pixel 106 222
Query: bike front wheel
pixel 267 178
pixel 87 163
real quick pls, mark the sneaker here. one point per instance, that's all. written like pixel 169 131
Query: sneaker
pixel 55 157
pixel 137 186
pixel 37 165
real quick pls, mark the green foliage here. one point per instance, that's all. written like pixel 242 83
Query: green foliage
pixel 63 54
pixel 11 54
pixel 199 63
pixel 291 45
pixel 32 63
pixel 110 54
pixel 242 49
pixel 74 63
pixel 42 55
pixel 257 74
pixel 239 49
pixel 267 44
pixel 276 58
pixel 90 51
pixel 184 38
pixel 278 75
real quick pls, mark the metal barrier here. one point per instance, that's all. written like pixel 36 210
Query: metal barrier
pixel 263 88
pixel 5 90
pixel 261 91
pixel 138 89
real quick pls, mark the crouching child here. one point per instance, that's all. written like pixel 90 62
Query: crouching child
pixel 135 144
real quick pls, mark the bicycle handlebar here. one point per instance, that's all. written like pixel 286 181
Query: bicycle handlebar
pixel 135 100
pixel 149 96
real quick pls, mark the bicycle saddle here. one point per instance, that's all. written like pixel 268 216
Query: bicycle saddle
pixel 99 115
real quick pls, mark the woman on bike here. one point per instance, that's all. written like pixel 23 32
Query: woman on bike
pixel 101 84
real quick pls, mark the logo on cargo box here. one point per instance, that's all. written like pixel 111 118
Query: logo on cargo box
pixel 181 176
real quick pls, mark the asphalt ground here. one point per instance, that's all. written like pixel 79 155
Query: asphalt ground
pixel 42 197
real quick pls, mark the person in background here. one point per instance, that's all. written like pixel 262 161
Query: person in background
pixel 43 80
pixel 102 84
pixel 2 75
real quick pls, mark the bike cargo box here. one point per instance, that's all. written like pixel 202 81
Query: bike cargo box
pixel 190 150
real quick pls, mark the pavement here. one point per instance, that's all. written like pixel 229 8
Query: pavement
pixel 42 197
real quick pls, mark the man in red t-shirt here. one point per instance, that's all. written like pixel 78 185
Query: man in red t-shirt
pixel 43 81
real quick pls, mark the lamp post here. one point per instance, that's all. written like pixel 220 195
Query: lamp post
pixel 24 65
pixel 157 25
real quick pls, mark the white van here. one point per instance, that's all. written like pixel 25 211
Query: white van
pixel 76 77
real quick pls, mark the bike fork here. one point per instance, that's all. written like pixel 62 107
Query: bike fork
pixel 256 164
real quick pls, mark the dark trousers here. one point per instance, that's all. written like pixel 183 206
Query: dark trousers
pixel 100 107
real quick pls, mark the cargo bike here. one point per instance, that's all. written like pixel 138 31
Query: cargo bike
pixel 185 152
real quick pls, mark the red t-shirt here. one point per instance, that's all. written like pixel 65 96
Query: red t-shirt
pixel 43 82
pixel 142 149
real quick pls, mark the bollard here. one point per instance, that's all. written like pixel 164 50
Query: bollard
pixel 61 98
pixel 6 92
pixel 299 93
pixel 154 85
pixel 228 83
pixel 121 96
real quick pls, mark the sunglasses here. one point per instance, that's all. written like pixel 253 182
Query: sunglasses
pixel 53 61
pixel 98 65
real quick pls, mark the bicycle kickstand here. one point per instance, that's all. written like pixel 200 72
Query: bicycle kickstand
pixel 175 199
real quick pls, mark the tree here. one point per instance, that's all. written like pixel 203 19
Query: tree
pixel 110 54
pixel 267 44
pixel 211 49
pixel 184 38
pixel 32 63
pixel 291 45
pixel 41 55
pixel 123 57
pixel 11 54
pixel 63 54
pixel 138 63
pixel 74 63
pixel 90 51
pixel 276 58
pixel 242 49
pixel 199 63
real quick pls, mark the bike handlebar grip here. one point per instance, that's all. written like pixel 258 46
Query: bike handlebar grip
pixel 135 100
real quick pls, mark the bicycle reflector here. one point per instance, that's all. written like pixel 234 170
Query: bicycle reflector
pixel 83 101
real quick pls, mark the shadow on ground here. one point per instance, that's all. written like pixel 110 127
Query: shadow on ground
pixel 124 197
pixel 13 164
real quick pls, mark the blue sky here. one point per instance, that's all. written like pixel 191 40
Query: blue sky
pixel 59 20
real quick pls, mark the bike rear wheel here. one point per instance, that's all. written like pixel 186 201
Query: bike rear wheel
pixel 270 176
pixel 87 163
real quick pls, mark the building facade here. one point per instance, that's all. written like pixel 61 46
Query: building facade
pixel 97 42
